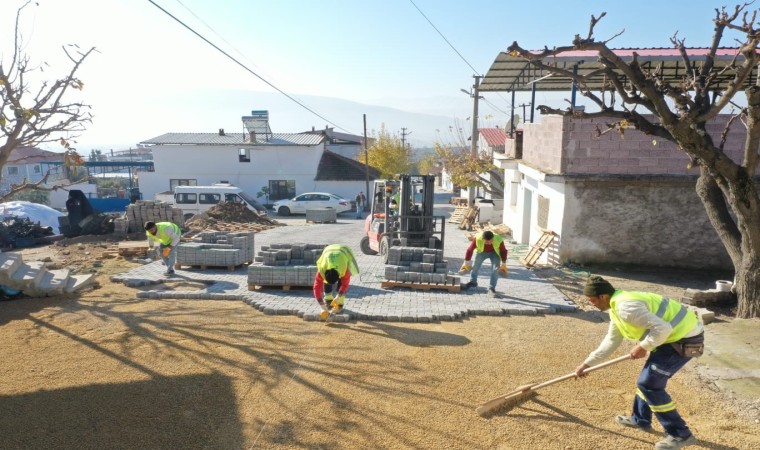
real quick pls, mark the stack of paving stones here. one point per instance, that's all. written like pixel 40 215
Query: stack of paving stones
pixel 285 265
pixel 418 265
pixel 321 215
pixel 217 249
pixel 147 211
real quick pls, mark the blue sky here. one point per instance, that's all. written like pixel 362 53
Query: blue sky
pixel 152 76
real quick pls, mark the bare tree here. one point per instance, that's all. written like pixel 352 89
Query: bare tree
pixel 465 169
pixel 727 188
pixel 32 115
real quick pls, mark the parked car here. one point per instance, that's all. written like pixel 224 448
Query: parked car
pixel 311 200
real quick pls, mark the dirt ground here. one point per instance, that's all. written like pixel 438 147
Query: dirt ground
pixel 104 369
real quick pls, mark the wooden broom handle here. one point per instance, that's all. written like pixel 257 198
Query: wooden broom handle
pixel 589 369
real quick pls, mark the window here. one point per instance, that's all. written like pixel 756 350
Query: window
pixel 232 198
pixel 174 182
pixel 12 170
pixel 37 168
pixel 185 199
pixel 209 199
pixel 244 155
pixel 281 189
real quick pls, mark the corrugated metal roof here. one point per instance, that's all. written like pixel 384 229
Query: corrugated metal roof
pixel 234 139
pixel 495 137
pixel 508 73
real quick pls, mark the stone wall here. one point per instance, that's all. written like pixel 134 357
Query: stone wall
pixel 644 220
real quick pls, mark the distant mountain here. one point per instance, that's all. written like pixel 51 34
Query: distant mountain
pixel 208 110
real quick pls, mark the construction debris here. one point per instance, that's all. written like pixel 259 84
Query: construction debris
pixel 230 216
pixel 21 232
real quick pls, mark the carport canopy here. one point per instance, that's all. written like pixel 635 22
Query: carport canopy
pixel 512 73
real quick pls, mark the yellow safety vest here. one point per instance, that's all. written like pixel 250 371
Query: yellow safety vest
pixel 161 235
pixel 339 257
pixel 681 318
pixel 480 243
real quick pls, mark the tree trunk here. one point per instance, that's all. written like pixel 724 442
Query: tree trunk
pixel 748 288
pixel 740 242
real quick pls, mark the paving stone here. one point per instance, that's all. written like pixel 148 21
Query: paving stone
pixel 522 293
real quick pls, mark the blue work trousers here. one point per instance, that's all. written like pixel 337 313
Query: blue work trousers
pixel 495 264
pixel 651 396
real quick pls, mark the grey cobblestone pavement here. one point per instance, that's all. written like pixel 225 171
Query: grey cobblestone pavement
pixel 521 292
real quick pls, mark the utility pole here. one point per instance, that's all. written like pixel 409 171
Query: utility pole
pixel 523 106
pixel 366 162
pixel 474 144
pixel 404 134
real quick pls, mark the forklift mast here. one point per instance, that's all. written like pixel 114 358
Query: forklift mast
pixel 410 222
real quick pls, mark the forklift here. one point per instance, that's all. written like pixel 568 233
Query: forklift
pixel 402 215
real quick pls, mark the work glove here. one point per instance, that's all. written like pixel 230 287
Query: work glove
pixel 466 267
pixel 166 251
pixel 324 315
pixel 503 269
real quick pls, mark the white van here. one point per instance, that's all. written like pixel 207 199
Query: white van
pixel 196 199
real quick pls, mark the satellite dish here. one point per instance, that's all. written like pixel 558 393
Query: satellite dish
pixel 508 126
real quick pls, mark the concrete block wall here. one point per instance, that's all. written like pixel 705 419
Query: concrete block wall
pixel 543 143
pixel 565 145
pixel 418 265
pixel 285 265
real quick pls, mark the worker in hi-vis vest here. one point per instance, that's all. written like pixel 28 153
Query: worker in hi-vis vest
pixel 334 269
pixel 167 235
pixel 667 331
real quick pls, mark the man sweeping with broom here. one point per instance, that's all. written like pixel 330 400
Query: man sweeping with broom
pixel 671 334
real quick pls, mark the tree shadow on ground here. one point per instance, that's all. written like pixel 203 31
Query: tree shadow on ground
pixel 409 336
pixel 186 411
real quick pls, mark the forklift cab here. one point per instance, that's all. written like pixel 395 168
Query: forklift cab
pixel 402 214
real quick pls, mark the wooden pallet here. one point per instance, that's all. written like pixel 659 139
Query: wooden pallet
pixel 458 214
pixel 283 287
pixel 421 286
pixel 501 230
pixel 538 248
pixel 470 218
pixel 231 268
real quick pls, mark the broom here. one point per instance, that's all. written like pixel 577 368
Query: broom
pixel 523 393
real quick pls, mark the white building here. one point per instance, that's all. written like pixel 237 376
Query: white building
pixel 27 164
pixel 287 164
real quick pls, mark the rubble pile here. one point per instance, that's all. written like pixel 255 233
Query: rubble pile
pixel 229 216
pixel 21 232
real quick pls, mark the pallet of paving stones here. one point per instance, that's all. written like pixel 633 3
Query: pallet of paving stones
pixel 231 268
pixel 282 287
pixel 421 286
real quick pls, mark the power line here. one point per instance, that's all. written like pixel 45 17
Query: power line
pixel 247 69
pixel 444 37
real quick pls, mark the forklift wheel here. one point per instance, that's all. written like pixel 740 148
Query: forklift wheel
pixel 364 244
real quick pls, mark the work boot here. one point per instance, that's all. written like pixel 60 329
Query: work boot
pixel 674 443
pixel 492 292
pixel 629 421
pixel 169 273
pixel 471 284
